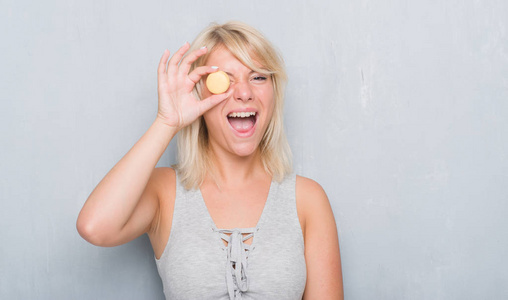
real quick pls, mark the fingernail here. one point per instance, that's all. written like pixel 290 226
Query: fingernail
pixel 203 47
pixel 215 67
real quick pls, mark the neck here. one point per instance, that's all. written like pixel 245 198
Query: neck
pixel 232 170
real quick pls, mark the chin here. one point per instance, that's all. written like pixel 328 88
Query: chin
pixel 245 149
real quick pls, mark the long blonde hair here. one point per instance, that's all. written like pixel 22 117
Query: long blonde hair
pixel 246 44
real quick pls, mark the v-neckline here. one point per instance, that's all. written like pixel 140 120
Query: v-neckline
pixel 261 217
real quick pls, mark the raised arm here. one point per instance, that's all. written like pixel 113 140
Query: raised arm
pixel 124 204
pixel 322 254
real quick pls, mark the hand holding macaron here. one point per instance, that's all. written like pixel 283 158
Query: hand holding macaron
pixel 178 106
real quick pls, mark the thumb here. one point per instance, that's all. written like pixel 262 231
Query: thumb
pixel 207 103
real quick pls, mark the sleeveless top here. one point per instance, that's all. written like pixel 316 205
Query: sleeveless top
pixel 196 263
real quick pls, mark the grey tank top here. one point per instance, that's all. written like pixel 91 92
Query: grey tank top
pixel 196 263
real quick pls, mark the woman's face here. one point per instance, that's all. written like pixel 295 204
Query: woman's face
pixel 238 124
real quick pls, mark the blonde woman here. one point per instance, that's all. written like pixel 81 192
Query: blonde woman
pixel 230 220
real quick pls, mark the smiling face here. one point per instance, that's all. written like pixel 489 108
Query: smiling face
pixel 237 125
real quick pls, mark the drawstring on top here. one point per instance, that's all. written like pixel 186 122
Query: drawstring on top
pixel 237 253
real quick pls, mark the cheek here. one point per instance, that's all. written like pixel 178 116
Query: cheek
pixel 213 116
pixel 209 118
pixel 269 102
pixel 269 116
pixel 266 96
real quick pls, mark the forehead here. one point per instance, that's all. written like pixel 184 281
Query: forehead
pixel 223 58
pixel 221 55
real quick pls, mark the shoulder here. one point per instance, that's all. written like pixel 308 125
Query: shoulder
pixel 310 194
pixel 163 176
pixel 322 253
pixel 306 187
pixel 162 183
pixel 162 186
pixel 312 201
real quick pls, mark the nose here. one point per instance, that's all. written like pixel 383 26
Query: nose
pixel 243 91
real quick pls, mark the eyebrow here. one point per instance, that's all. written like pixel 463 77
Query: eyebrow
pixel 231 74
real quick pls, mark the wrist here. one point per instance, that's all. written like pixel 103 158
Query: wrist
pixel 160 124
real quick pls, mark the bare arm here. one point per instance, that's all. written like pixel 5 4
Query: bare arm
pixel 115 212
pixel 124 204
pixel 322 254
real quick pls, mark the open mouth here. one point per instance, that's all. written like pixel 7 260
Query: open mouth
pixel 242 122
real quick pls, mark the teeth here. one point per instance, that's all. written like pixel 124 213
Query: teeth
pixel 242 114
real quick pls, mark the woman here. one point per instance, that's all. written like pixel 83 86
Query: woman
pixel 230 221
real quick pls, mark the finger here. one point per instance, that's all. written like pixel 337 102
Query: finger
pixel 161 70
pixel 187 61
pixel 175 60
pixel 208 103
pixel 198 72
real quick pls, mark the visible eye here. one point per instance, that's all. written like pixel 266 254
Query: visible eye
pixel 260 78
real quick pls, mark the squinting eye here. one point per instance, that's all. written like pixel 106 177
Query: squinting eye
pixel 260 78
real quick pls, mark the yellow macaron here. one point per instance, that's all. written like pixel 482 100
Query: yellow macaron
pixel 217 82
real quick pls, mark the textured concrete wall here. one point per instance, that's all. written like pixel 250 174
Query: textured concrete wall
pixel 399 109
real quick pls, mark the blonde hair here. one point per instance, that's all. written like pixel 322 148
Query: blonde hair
pixel 247 45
